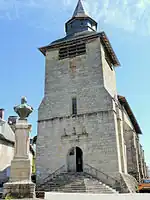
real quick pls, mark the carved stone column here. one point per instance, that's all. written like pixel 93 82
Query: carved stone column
pixel 20 184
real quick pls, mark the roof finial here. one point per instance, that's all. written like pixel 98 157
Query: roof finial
pixel 79 9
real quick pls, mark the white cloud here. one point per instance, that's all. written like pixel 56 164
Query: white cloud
pixel 130 15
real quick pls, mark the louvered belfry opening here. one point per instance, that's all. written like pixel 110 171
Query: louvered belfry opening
pixel 73 50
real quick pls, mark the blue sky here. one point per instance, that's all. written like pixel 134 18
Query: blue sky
pixel 27 25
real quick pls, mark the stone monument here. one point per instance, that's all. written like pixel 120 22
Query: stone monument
pixel 20 184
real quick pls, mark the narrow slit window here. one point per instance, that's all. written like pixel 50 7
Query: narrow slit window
pixel 74 105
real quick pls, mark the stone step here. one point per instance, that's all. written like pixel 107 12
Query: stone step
pixel 96 186
pixel 80 182
pixel 40 194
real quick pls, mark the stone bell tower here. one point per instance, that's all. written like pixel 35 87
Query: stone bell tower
pixel 77 118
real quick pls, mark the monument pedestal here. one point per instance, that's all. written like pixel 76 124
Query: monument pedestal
pixel 19 190
pixel 20 184
pixel 20 170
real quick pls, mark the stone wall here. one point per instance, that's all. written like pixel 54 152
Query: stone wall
pixel 98 128
pixel 126 119
pixel 144 164
pixel 132 151
pixel 141 161
pixel 82 77
pixel 122 142
pixel 95 135
pixel 6 155
pixel 109 75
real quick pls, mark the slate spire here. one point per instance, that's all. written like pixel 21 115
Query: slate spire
pixel 80 22
pixel 79 10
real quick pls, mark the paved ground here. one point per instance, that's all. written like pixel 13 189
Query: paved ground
pixel 78 196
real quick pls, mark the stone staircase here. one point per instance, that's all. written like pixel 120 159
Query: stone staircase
pixel 76 186
pixel 63 181
pixel 73 182
pixel 131 182
pixel 95 186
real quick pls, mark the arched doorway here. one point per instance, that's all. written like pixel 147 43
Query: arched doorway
pixel 75 160
pixel 79 160
pixel 71 163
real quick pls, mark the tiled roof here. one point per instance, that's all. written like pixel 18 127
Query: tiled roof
pixel 124 102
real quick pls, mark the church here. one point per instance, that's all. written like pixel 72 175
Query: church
pixel 88 136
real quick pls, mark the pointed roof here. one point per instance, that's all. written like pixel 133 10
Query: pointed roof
pixel 79 10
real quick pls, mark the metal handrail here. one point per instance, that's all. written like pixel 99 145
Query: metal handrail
pixel 92 171
pixel 103 177
pixel 50 176
pixel 58 171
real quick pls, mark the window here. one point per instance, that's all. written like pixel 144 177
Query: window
pixel 72 50
pixel 74 105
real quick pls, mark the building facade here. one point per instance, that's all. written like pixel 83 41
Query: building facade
pixel 136 165
pixel 83 123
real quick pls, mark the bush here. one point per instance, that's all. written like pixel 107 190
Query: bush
pixel 8 196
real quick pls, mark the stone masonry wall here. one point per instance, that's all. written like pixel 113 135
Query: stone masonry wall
pixel 139 157
pixel 6 155
pixel 141 161
pixel 95 135
pixel 122 142
pixel 81 77
pixel 132 151
pixel 109 76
